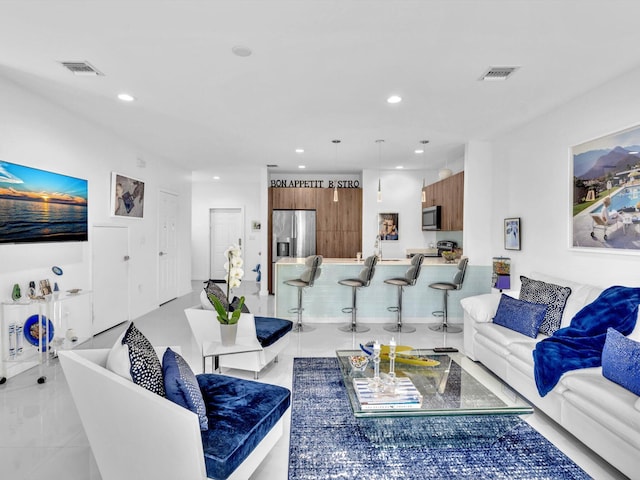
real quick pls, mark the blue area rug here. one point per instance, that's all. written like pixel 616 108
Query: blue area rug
pixel 328 442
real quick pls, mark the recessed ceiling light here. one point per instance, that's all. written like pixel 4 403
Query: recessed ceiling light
pixel 394 99
pixel 399 167
pixel 241 51
pixel 299 150
pixel 302 166
pixel 419 150
pixel 216 177
pixel 125 97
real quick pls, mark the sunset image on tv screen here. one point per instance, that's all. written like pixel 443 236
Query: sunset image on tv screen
pixel 41 206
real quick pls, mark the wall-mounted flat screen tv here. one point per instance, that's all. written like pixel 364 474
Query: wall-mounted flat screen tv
pixel 41 206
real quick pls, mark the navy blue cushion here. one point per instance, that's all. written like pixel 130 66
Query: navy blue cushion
pixel 621 361
pixel 241 413
pixel 523 317
pixel 269 330
pixel 182 386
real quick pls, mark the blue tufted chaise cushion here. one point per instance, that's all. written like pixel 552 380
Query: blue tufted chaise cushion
pixel 269 330
pixel 241 413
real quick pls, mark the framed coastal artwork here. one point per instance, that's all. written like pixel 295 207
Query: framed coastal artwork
pixel 512 233
pixel 605 176
pixel 388 226
pixel 127 196
pixel 39 206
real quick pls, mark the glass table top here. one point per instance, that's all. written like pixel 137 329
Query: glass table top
pixel 450 384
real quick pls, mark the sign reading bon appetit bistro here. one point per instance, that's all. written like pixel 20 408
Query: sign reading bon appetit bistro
pixel 315 181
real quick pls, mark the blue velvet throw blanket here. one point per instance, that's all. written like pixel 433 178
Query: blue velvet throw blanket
pixel 580 344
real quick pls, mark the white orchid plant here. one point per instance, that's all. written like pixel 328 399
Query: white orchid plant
pixel 233 267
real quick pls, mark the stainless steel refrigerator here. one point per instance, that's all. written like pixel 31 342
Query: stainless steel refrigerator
pixel 294 234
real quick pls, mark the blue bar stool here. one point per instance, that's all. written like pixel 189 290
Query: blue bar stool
pixel 363 280
pixel 307 278
pixel 408 280
pixel 446 287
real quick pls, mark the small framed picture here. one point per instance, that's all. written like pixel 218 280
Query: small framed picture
pixel 45 287
pixel 127 196
pixel 512 233
pixel 388 226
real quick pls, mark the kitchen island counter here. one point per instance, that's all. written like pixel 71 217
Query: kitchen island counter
pixel 353 262
pixel 323 303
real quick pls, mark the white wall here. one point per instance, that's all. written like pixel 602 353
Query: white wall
pixel 39 134
pixel 478 204
pixel 531 180
pixel 401 193
pixel 241 191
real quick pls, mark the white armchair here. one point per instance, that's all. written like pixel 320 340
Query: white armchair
pixel 205 328
pixel 136 434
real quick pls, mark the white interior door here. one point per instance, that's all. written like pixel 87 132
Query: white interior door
pixel 225 229
pixel 167 243
pixel 110 260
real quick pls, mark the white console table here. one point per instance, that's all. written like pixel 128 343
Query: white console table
pixel 71 316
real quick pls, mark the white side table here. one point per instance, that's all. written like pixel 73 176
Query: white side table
pixel 216 349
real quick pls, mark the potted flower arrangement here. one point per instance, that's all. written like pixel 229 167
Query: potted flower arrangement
pixel 228 317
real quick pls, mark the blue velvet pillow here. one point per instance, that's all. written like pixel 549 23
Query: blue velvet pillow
pixel 523 317
pixel 621 361
pixel 182 386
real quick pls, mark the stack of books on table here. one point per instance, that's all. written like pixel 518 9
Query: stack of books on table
pixel 405 396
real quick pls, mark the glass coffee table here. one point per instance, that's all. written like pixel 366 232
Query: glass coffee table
pixel 455 386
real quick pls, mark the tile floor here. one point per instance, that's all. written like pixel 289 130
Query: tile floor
pixel 41 435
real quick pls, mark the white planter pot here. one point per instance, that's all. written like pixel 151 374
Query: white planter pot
pixel 228 334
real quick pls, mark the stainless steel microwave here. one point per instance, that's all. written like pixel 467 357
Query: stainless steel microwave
pixel 431 218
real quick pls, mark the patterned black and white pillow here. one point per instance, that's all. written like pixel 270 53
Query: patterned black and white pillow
pixel 146 369
pixel 212 288
pixel 549 294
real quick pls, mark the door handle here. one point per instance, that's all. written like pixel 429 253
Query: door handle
pixel 161 254
pixel 239 242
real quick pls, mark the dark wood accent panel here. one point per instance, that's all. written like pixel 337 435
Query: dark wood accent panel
pixel 350 210
pixel 284 198
pixel 327 211
pixel 338 224
pixel 449 194
pixel 305 198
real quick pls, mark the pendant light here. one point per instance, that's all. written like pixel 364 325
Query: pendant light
pixel 424 194
pixel 379 142
pixel 445 172
pixel 335 185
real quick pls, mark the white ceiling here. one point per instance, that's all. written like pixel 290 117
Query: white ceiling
pixel 320 70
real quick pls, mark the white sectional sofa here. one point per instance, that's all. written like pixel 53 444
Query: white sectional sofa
pixel 600 413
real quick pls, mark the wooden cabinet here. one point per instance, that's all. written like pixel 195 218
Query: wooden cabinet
pixel 326 211
pixel 338 224
pixel 284 198
pixel 449 194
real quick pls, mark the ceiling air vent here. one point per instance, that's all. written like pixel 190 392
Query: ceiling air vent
pixel 498 73
pixel 271 165
pixel 82 68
